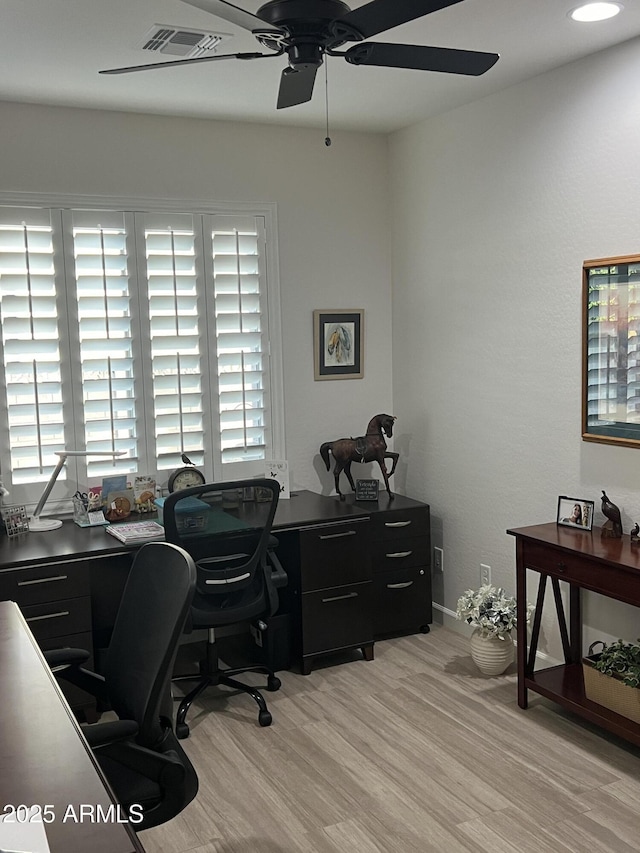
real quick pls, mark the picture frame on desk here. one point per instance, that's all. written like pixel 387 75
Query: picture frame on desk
pixel 575 512
pixel 338 344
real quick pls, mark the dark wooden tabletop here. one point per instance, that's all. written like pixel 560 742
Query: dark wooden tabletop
pixel 71 541
pixel 44 759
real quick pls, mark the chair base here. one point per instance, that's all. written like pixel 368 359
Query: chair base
pixel 211 676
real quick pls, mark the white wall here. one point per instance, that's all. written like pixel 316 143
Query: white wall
pixel 334 245
pixel 495 207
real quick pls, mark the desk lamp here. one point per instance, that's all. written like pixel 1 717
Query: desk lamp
pixel 35 522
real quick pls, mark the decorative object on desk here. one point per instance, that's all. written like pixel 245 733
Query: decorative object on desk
pixel 338 344
pixel 16 520
pixel 83 516
pixel 612 528
pixel 494 615
pixel 278 470
pixel 612 677
pixel 575 512
pixel 94 495
pixel 370 447
pixel 367 490
pixel 115 483
pixel 39 524
pixel 119 505
pixel 144 493
pixel 184 478
pixel 634 534
pixel 135 532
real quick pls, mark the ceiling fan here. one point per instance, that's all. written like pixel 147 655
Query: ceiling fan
pixel 308 30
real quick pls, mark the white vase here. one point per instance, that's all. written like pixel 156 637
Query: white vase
pixel 489 653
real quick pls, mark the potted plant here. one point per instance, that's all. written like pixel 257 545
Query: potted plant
pixel 493 614
pixel 612 677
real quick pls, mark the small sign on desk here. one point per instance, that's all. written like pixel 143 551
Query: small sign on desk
pixel 367 490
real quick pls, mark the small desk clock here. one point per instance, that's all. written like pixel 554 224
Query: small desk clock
pixel 184 478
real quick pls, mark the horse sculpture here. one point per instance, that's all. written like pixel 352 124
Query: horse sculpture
pixel 367 448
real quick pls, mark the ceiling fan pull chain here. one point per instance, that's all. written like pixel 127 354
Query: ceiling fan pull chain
pixel 327 139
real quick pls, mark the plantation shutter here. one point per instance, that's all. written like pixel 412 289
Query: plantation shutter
pixel 143 332
pixel 32 417
pixel 102 334
pixel 177 332
pixel 239 294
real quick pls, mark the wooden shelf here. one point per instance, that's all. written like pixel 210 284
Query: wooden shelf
pixel 565 685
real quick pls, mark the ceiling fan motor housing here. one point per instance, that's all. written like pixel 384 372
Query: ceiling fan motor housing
pixel 307 24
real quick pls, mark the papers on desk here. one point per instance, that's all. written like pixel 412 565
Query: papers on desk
pixel 136 532
pixel 17 833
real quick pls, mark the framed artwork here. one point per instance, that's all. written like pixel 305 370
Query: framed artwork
pixel 338 344
pixel 611 350
pixel 575 512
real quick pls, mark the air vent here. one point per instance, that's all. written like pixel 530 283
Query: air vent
pixel 178 41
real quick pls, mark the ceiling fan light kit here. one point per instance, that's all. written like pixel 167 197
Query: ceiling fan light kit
pixel 308 30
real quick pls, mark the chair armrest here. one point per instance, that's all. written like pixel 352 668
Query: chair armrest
pixel 69 670
pixel 100 735
pixel 66 657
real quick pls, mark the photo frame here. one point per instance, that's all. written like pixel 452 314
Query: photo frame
pixel 575 512
pixel 338 344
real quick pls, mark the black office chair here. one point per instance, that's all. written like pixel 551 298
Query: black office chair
pixel 139 753
pixel 226 527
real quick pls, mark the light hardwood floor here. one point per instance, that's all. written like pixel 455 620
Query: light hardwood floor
pixel 414 751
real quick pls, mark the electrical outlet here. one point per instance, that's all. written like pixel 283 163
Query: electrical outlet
pixel 485 574
pixel 438 559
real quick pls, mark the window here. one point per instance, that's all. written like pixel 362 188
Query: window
pixel 611 373
pixel 150 332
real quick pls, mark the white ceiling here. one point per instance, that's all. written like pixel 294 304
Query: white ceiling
pixel 51 52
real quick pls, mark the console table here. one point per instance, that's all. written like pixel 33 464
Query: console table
pixel 583 560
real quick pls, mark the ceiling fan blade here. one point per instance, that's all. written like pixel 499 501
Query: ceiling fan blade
pixel 233 14
pixel 175 62
pixel 448 60
pixel 296 86
pixel 381 15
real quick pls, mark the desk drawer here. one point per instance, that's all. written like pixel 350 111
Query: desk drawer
pixel 400 553
pixel 606 578
pixel 334 554
pixel 44 583
pixel 561 564
pixel 395 524
pixel 59 618
pixel 337 618
pixel 402 600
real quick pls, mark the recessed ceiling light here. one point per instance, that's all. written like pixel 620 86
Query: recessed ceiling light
pixel 595 11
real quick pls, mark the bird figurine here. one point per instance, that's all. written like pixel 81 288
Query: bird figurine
pixel 635 530
pixel 612 528
pixel 186 459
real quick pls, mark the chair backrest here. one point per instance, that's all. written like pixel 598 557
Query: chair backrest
pixel 152 614
pixel 226 528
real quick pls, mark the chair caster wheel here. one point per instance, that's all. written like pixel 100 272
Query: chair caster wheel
pixel 182 731
pixel 264 718
pixel 273 683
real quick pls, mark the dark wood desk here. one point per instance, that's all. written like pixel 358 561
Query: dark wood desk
pixel 68 582
pixel 582 559
pixel 44 757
